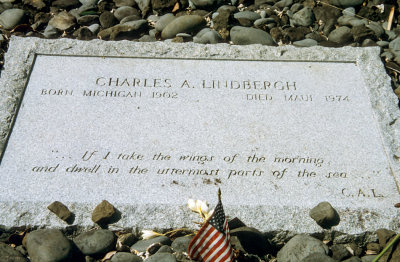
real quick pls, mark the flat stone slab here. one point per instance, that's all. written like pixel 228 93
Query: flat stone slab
pixel 147 126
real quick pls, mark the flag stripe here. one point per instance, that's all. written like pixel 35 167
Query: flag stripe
pixel 214 249
pixel 206 237
pixel 207 245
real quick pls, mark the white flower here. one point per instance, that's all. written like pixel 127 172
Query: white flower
pixel 200 207
pixel 192 205
pixel 147 234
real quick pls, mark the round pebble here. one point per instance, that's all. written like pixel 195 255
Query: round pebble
pixel 125 11
pixel 95 242
pixel 11 17
pixel 246 36
pixel 182 24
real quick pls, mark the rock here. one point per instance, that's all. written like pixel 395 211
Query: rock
pixel 300 247
pixel 95 242
pixel 318 257
pixel 65 4
pixel 291 34
pixel 144 6
pixel 127 30
pixel 127 239
pixel 83 33
pixel 351 21
pixel 129 19
pixel 11 18
pixel 305 43
pixel 227 8
pixel 382 43
pixel 377 28
pixel 384 235
pixel 324 214
pixel 61 211
pixel 349 11
pixel 62 21
pixel 222 23
pixel 246 18
pixel 252 240
pixel 340 252
pixel 207 36
pixel 317 37
pixel 48 245
pixel 103 212
pixel 125 11
pixel 94 28
pixel 353 259
pixel 161 257
pixel 164 21
pixel 247 36
pixel 304 17
pixel 165 249
pixel 368 42
pixel 345 3
pixel 159 5
pixel 182 24
pixel 88 19
pixel 51 32
pixel 125 257
pixel 367 258
pixel 181 244
pixel 107 20
pixel 38 4
pixel 7 253
pixel 341 35
pixel 283 3
pixel 202 3
pixel 119 3
pixel 142 245
pixel 263 21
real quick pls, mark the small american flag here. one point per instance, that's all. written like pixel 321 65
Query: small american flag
pixel 212 242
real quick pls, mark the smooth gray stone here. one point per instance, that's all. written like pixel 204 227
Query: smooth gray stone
pixel 95 242
pixel 202 3
pixel 341 35
pixel 300 247
pixel 368 258
pixel 62 21
pixel 207 36
pixel 144 5
pixel 130 18
pixel 119 3
pixel 182 24
pixel 353 259
pixel 181 244
pixel 48 245
pixel 107 20
pixel 7 251
pixel 377 28
pixel 125 11
pixel 263 21
pixel 125 257
pixel 11 17
pixel 165 249
pixel 153 18
pixel 142 245
pixel 164 21
pixel 349 11
pixel 305 43
pixel 340 252
pixel 318 257
pixel 304 17
pixel 394 45
pixel 147 38
pixel 382 43
pixel 351 21
pixel 241 35
pixel 51 32
pixel 87 19
pixel 296 7
pixel 88 2
pixel 249 15
pixel 283 3
pixel 228 8
pixel 161 257
pixel 346 3
pixel 94 28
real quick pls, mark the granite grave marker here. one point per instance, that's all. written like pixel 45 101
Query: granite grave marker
pixel 148 126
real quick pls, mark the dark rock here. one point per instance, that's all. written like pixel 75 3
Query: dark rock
pixel 340 252
pixel 65 4
pixel 61 211
pixel 318 257
pixel 87 19
pixel 367 258
pixel 317 37
pixel 324 214
pixel 227 8
pixel 368 42
pixel 152 249
pixel 374 247
pixel 165 249
pixel 203 3
pixel 345 3
pixel 384 235
pixel 142 245
pixel 107 19
pixel 393 253
pixel 125 11
pixel 377 28
pixel 247 36
pixel 95 242
pixel 283 3
pixel 341 35
pixel 360 33
pixel 235 223
pixel 51 32
pixel 207 36
pixel 48 245
pixel 7 253
pixel 104 212
pixel 353 259
pixel 183 24
pixel 246 18
pixel 127 239
pixel 164 21
pixel 129 19
pixel 159 5
pixel 300 247
pixel 125 257
pixel 222 23
pixel 304 17
pixel 161 257
pixel 144 6
pixel 119 3
pixel 11 18
pixel 83 33
pixel 291 34
pixel 276 34
pixel 181 244
pixel 328 15
pixel 252 240
pixel 305 43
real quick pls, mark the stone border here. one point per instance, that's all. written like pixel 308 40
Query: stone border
pixel 21 55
